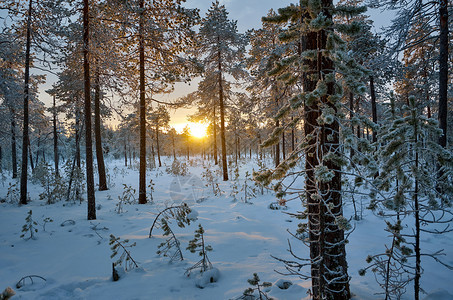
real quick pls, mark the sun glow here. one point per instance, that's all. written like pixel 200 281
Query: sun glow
pixel 197 130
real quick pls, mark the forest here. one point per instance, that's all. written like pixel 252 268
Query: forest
pixel 315 160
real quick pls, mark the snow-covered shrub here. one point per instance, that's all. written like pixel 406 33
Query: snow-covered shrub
pixel 7 293
pixel 198 245
pixel 125 256
pixel 182 214
pixel 29 228
pixel 178 168
pixel 211 179
pixel 171 247
pixel 257 291
pixel 128 197
pixel 13 194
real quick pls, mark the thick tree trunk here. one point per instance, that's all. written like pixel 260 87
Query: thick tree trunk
pixel 25 137
pixel 142 171
pixel 327 247
pixel 55 139
pixel 222 121
pixel 443 71
pixel 216 161
pixel 88 139
pixel 351 115
pixel 13 144
pixel 373 106
pixel 97 133
pixel 283 145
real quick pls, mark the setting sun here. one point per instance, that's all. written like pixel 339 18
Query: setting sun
pixel 197 130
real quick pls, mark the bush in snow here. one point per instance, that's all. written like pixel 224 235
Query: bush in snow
pixel 171 247
pixel 178 168
pixel 125 256
pixel 127 198
pixel 257 288
pixel 183 214
pixel 198 245
pixel 29 227
pixel 13 194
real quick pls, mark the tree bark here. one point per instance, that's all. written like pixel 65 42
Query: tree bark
pixel 277 147
pixel 330 279
pixel 25 138
pixel 157 145
pixel 216 161
pixel 373 107
pixel 222 120
pixel 13 144
pixel 55 138
pixel 443 71
pixel 97 133
pixel 142 171
pixel 88 139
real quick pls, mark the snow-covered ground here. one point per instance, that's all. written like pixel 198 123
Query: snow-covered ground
pixel 75 262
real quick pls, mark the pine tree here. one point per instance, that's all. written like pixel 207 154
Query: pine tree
pixel 221 49
pixel 409 183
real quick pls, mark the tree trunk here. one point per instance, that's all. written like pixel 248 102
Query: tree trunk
pixel 293 138
pixel 30 155
pixel 222 120
pixel 88 139
pixel 25 138
pixel 351 115
pixel 125 154
pixel 77 139
pixel 283 145
pixel 55 139
pixel 1 159
pixel 97 132
pixel 157 145
pixel 277 147
pixel 142 171
pixel 173 144
pixel 330 279
pixel 13 144
pixel 443 71
pixel 216 161
pixel 373 107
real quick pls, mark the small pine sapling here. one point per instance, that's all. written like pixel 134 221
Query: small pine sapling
pixel 234 184
pixel 13 194
pixel 211 179
pixel 256 286
pixel 171 247
pixel 128 197
pixel 151 190
pixel 183 215
pixel 249 191
pixel 29 227
pixel 390 268
pixel 198 245
pixel 125 257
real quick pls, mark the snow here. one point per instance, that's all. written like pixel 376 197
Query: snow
pixel 73 254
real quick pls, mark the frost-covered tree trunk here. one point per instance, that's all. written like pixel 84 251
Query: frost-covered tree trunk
pixel 214 126
pixel 88 139
pixel 327 246
pixel 222 115
pixel 25 137
pixel 13 144
pixel 373 106
pixel 55 138
pixel 443 71
pixel 97 133
pixel 141 49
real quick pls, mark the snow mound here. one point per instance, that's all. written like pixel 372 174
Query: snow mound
pixel 283 284
pixel 207 277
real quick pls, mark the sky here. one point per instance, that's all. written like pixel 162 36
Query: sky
pixel 248 15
